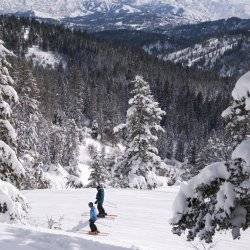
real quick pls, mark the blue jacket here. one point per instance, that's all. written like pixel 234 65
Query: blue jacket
pixel 93 214
pixel 100 196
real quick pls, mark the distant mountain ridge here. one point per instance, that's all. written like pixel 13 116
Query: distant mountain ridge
pixel 134 14
pixel 222 46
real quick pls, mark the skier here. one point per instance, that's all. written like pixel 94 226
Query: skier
pixel 93 218
pixel 99 202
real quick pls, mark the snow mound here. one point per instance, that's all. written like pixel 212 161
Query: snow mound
pixel 24 238
pixel 14 207
pixel 44 58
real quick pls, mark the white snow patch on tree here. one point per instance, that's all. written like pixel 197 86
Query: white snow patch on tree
pixel 243 151
pixel 242 89
pixel 44 58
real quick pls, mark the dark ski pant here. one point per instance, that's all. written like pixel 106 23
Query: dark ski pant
pixel 92 225
pixel 101 210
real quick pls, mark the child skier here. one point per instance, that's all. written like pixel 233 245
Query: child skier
pixel 99 202
pixel 93 218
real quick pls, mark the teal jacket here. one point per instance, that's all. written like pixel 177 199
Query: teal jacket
pixel 93 214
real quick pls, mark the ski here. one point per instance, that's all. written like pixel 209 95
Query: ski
pixel 91 234
pixel 109 216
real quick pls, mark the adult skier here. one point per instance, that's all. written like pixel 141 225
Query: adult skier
pixel 99 202
pixel 93 218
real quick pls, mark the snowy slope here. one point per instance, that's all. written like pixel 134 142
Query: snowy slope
pixel 213 54
pixel 209 50
pixel 25 238
pixel 139 13
pixel 142 222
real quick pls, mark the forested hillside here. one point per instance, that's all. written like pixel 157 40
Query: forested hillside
pixel 221 46
pixel 67 80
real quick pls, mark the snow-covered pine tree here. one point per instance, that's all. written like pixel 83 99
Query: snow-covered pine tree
pixel 94 130
pixel 78 93
pixel 72 142
pixel 189 167
pixel 11 169
pixel 140 162
pixel 99 174
pixel 43 147
pixel 27 115
pixel 218 198
pixel 237 114
pixel 27 119
pixel 13 206
pixel 57 143
pixel 71 153
pixel 179 153
pixel 108 135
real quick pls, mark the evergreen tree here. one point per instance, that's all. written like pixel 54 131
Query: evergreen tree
pixel 11 169
pixel 95 130
pixel 27 118
pixel 140 161
pixel 218 198
pixel 237 115
pixel 179 151
pixel 27 111
pixel 13 206
pixel 71 153
pixel 217 148
pixel 190 166
pixel 99 174
pixel 71 149
pixel 108 135
pixel 57 144
pixel 35 177
pixel 78 92
pixel 43 147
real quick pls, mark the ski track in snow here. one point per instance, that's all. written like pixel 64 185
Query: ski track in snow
pixel 142 223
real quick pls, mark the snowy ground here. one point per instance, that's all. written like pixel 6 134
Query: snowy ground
pixel 142 223
pixel 16 238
